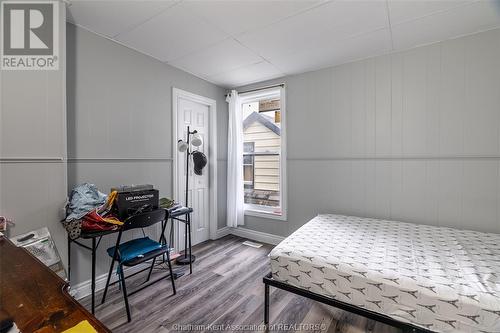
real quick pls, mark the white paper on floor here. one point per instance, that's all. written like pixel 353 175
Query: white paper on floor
pixel 252 244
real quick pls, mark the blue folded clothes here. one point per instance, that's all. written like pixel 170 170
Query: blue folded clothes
pixel 135 248
pixel 83 199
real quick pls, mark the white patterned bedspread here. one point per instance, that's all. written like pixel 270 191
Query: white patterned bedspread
pixel 443 279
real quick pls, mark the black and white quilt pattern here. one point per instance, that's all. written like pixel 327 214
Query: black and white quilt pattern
pixel 443 279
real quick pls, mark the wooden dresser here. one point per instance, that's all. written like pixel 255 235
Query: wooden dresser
pixel 36 297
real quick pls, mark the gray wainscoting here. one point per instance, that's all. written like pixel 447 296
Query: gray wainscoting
pixel 120 121
pixel 33 146
pixel 411 136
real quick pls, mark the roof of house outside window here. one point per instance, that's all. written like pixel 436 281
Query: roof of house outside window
pixel 255 116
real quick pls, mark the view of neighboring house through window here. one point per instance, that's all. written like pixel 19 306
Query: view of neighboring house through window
pixel 262 150
pixel 248 164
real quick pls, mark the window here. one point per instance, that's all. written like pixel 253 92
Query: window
pixel 263 153
pixel 248 164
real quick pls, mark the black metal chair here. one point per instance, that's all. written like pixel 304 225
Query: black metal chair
pixel 138 251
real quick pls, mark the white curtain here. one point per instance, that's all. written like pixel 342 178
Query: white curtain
pixel 235 196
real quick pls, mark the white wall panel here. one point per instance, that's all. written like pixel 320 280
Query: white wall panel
pixel 341 189
pixel 358 187
pixel 370 187
pixel 383 106
pixel 414 191
pixel 450 193
pixel 482 98
pixel 370 107
pixel 479 195
pixel 414 103
pixel 342 114
pixel 398 206
pixel 357 93
pixel 31 120
pixel 33 196
pixel 414 135
pixel 432 192
pixel 382 189
pixel 315 138
pixel 452 104
pixel 33 147
pixel 433 99
pixel 120 122
pixel 397 103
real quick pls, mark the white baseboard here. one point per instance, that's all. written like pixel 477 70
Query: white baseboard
pixel 257 235
pixel 82 289
pixel 222 232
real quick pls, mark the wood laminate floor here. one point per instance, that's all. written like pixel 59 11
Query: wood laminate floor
pixel 225 289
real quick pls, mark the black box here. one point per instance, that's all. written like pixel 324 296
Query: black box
pixel 127 203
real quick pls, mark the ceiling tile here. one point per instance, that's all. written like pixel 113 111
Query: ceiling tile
pixel 321 25
pixel 235 17
pixel 174 33
pixel 445 25
pixel 401 11
pixel 225 41
pixel 222 57
pixel 335 53
pixel 362 46
pixel 253 73
pixel 112 17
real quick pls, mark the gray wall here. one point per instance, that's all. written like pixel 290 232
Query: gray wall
pixel 119 121
pixel 33 147
pixel 412 136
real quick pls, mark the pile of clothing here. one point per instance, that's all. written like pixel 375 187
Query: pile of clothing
pixel 89 210
pixel 170 204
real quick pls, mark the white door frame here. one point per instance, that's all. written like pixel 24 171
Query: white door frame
pixel 212 155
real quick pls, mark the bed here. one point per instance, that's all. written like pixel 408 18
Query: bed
pixel 417 277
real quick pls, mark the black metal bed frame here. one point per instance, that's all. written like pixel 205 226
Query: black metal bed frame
pixel 270 282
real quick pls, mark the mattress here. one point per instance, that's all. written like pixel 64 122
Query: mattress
pixel 441 279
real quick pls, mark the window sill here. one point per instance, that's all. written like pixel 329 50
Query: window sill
pixel 264 215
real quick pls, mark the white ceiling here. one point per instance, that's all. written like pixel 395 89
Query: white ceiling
pixel 236 42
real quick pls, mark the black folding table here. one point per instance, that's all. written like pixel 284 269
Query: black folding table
pixel 96 237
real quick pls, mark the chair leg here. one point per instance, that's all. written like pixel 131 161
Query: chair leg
pixel 151 269
pixel 124 290
pixel 171 272
pixel 107 281
pixel 266 305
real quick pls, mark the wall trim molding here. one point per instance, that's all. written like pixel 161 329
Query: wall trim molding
pixel 257 235
pixel 82 289
pixel 31 159
pixel 118 159
pixel 222 232
pixel 396 158
pixel 250 234
pixel 83 159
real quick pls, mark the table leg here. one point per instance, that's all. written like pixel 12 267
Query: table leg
pixel 185 240
pixel 190 254
pixel 92 286
pixel 266 305
pixel 69 258
pixel 187 258
pixel 163 239
pixel 171 235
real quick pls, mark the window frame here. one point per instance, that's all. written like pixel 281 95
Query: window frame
pixel 252 154
pixel 264 211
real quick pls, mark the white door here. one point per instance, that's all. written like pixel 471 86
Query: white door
pixel 196 116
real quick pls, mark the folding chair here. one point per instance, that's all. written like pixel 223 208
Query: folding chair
pixel 137 251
